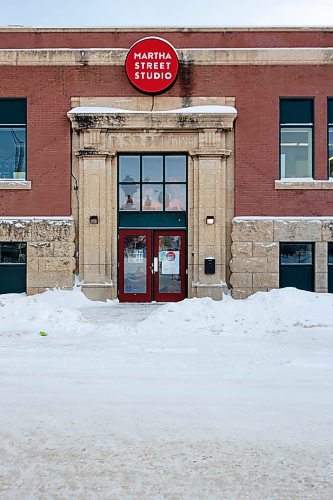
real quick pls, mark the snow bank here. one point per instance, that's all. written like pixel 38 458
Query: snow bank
pixel 273 312
pixel 51 311
pixel 276 311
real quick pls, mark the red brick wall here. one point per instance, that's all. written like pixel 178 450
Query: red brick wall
pixel 257 91
pixel 181 39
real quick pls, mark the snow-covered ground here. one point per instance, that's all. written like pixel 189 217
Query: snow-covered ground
pixel 194 400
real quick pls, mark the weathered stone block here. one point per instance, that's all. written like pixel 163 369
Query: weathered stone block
pixel 15 230
pixel 252 230
pixel 56 264
pixel 321 257
pixel 297 230
pixel 40 249
pixel 321 250
pixel 63 249
pixel 241 293
pixel 53 230
pixel 32 264
pixel 99 293
pixel 215 293
pixel 265 280
pixel 327 231
pixel 321 282
pixel 265 249
pixel 273 264
pixel 49 280
pixel 241 248
pixel 248 265
pixel 238 280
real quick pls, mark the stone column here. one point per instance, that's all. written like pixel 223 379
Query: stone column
pixel 209 187
pixel 95 240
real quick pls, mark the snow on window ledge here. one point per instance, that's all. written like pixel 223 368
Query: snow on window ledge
pixel 14 184
pixel 303 183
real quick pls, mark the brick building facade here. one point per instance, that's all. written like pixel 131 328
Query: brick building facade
pixel 242 139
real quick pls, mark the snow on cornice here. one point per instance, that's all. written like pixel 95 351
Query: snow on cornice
pixel 83 110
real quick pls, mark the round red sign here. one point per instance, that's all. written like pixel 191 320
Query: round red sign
pixel 170 256
pixel 152 65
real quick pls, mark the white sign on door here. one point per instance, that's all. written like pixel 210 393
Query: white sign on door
pixel 170 261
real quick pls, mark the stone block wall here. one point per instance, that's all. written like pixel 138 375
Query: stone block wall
pixel 50 249
pixel 255 250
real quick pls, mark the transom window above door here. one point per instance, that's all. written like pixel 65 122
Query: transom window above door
pixel 152 182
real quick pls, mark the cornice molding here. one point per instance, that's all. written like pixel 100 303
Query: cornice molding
pixel 150 121
pixel 200 57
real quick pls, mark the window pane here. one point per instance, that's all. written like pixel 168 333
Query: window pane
pixel 13 253
pixel 152 196
pixel 330 111
pixel 330 151
pixel 175 168
pixel 330 253
pixel 175 197
pixel 152 169
pixel 129 168
pixel 135 264
pixel 296 253
pixel 12 153
pixel 296 152
pixel 13 111
pixel 129 196
pixel 296 111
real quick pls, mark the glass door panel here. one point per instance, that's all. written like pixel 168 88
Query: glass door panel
pixel 169 265
pixel 135 266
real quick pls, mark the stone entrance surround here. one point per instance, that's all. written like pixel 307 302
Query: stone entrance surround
pixel 102 129
pixel 255 250
pixel 50 249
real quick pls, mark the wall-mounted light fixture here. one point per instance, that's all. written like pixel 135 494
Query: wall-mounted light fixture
pixel 210 219
pixel 93 219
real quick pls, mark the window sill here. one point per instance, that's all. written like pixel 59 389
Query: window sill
pixel 303 184
pixel 15 184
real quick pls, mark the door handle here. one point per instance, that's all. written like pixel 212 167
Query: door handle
pixel 155 264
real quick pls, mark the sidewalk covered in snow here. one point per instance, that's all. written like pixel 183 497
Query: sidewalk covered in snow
pixel 197 399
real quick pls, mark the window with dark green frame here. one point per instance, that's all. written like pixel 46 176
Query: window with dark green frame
pixel 296 138
pixel 330 136
pixel 152 182
pixel 297 265
pixel 13 132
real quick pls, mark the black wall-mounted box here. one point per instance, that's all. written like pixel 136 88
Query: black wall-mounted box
pixel 209 265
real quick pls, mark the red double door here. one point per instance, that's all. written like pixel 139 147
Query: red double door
pixel 151 265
